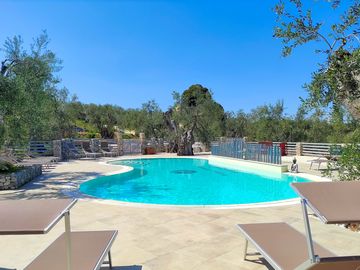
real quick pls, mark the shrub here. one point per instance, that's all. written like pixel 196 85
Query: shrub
pixel 348 164
pixel 7 167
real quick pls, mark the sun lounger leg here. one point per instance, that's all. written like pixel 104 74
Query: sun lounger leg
pixel 68 239
pixel 110 262
pixel 309 240
pixel 245 248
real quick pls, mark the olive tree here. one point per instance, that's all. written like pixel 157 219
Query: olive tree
pixel 195 115
pixel 336 82
pixel 31 104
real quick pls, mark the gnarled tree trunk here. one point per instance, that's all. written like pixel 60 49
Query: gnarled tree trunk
pixel 186 142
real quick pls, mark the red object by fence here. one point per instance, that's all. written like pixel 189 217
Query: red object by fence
pixel 267 143
pixel 150 150
pixel 283 148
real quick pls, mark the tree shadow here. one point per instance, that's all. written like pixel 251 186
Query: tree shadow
pixel 50 185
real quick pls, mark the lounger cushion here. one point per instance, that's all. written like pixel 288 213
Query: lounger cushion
pixel 284 247
pixel 88 250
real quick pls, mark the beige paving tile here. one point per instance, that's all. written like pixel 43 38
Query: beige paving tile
pixel 153 238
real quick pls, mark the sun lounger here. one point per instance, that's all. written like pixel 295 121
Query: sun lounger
pixel 332 202
pixel 88 151
pixel 28 160
pixel 334 153
pixel 105 149
pixel 74 150
pixel 321 160
pixel 281 245
pixel 285 248
pixel 89 250
pixel 85 250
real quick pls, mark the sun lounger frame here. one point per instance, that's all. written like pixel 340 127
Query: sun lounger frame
pixel 258 247
pixel 41 216
pixel 347 193
pixel 274 257
pixel 100 260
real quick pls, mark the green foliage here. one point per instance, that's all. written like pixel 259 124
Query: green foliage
pixel 196 111
pixel 348 164
pixel 236 125
pixel 336 82
pixel 152 123
pixel 7 167
pixel 296 25
pixel 267 121
pixel 32 107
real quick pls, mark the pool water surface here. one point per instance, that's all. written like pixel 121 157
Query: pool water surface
pixel 189 181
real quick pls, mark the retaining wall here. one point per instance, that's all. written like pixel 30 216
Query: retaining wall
pixel 17 179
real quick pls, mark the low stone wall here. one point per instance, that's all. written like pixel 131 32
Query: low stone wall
pixel 17 179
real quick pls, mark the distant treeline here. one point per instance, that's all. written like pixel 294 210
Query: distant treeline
pixel 33 107
pixel 267 122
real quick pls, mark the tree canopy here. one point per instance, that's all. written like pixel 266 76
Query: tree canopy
pixel 195 115
pixel 336 82
pixel 31 103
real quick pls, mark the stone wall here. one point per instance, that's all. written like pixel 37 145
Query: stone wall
pixel 17 179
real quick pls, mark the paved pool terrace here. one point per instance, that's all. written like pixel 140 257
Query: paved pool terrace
pixel 160 238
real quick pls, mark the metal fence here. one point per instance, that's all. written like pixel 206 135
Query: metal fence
pixel 131 146
pixel 263 153
pixel 229 148
pixel 238 148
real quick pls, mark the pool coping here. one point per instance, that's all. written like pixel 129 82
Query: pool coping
pixel 74 190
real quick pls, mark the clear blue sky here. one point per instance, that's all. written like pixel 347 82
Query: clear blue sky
pixel 128 52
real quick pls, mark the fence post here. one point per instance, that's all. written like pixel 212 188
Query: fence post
pixel 299 149
pixel 119 142
pixel 142 142
pixel 57 151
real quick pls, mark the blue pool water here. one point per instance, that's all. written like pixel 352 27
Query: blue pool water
pixel 188 181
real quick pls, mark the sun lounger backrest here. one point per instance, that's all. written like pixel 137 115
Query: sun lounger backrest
pixel 86 146
pixel 104 144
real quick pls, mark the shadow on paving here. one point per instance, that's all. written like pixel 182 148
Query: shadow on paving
pixel 260 260
pixel 49 185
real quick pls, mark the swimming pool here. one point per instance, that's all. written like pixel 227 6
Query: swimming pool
pixel 189 181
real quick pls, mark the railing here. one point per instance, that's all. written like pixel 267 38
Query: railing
pixel 316 149
pixel 131 146
pixel 238 148
pixel 290 148
pixel 229 148
pixel 310 149
pixel 263 153
pixel 41 148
